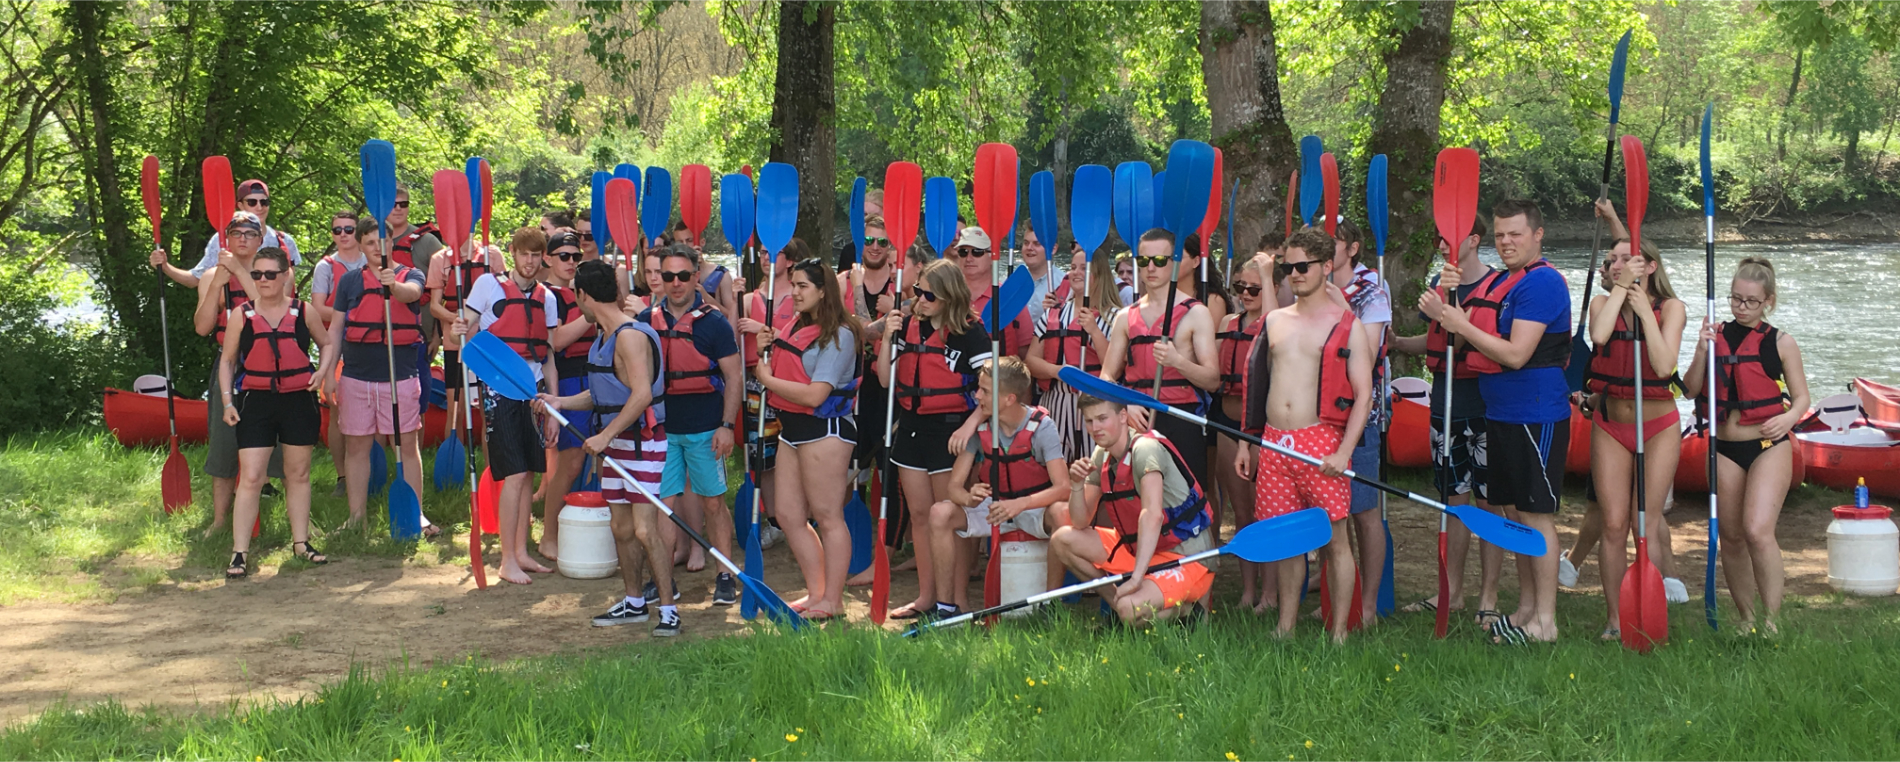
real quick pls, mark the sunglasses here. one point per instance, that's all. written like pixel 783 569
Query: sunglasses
pixel 1246 290
pixel 342 229
pixel 1288 268
pixel 928 296
pixel 402 205
pixel 568 256
pixel 877 241
pixel 1153 261
pixel 265 274
pixel 969 252
pixel 587 236
pixel 683 276
pixel 263 202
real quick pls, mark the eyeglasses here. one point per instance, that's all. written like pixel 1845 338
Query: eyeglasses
pixel 1288 268
pixel 246 233
pixel 342 229
pixel 1246 290
pixel 928 296
pixel 969 252
pixel 1153 261
pixel 587 236
pixel 568 256
pixel 683 276
pixel 263 202
pixel 877 241
pixel 402 205
pixel 265 274
pixel 1736 300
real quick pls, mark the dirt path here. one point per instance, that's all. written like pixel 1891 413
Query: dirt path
pixel 275 635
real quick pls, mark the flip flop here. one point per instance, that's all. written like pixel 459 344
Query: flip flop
pixel 1423 605
pixel 1485 617
pixel 906 611
pixel 1611 635
pixel 816 615
pixel 1505 633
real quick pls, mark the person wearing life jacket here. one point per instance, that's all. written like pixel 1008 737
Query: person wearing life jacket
pixel 1362 290
pixel 1517 323
pixel 225 287
pixel 762 446
pixel 518 309
pixel 1460 478
pixel 1069 334
pixel 811 380
pixel 939 345
pixel 971 254
pixel 1309 389
pixel 1213 294
pixel 1761 392
pixel 253 197
pixel 1133 505
pixel 414 246
pixel 1038 258
pixel 625 394
pixel 1186 359
pixel 1251 290
pixel 265 377
pixel 870 293
pixel 1017 483
pixel 445 300
pixel 347 258
pixel 568 343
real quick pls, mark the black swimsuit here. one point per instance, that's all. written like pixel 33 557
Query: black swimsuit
pixel 1743 452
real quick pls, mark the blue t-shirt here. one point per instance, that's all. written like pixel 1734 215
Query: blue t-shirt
pixel 1532 395
pixel 712 336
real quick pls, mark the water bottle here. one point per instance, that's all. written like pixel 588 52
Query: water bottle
pixel 1860 494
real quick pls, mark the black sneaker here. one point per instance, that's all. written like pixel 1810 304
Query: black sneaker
pixel 269 490
pixel 725 589
pixel 668 626
pixel 622 613
pixel 652 591
pixel 340 490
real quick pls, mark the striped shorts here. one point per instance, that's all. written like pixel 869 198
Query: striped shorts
pixel 644 459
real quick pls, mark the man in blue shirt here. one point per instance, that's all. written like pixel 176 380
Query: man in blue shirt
pixel 1518 324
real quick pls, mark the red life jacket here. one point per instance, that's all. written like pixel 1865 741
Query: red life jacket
pixel 1139 370
pixel 1235 345
pixel 1436 340
pixel 1122 502
pixel 574 355
pixel 1022 475
pixel 337 271
pixel 1614 361
pixel 472 267
pixel 1553 349
pixel 524 329
pixel 788 364
pixel 926 384
pixel 851 301
pixel 1017 334
pixel 687 370
pixel 233 297
pixel 1067 343
pixel 1335 384
pixel 275 357
pixel 364 322
pixel 1741 384
pixel 402 248
pixel 755 308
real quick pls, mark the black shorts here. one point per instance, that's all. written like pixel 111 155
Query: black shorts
pixel 1466 473
pixel 1215 415
pixel 871 408
pixel 514 441
pixel 1526 464
pixel 452 371
pixel 266 419
pixel 922 442
pixel 799 429
pixel 1189 439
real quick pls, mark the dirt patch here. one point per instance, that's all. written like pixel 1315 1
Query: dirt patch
pixel 281 635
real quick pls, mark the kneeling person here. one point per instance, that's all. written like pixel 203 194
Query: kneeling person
pixel 1156 513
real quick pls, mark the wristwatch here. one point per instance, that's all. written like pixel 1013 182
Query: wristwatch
pixel 728 425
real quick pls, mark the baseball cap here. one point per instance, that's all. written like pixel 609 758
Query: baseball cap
pixel 245 220
pixel 974 237
pixel 249 187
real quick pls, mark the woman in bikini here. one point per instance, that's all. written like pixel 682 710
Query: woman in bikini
pixel 1760 393
pixel 1641 300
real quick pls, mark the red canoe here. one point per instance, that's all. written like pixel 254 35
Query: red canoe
pixel 1839 459
pixel 1879 402
pixel 138 420
pixel 1409 440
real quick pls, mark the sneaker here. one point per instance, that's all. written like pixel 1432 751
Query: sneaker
pixel 668 626
pixel 270 490
pixel 651 591
pixel 770 535
pixel 725 589
pixel 1674 591
pixel 622 613
pixel 339 490
pixel 1566 571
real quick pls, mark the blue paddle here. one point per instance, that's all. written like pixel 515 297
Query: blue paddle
pixel 1579 346
pixel 1042 217
pixel 1275 539
pixel 857 515
pixel 630 172
pixel 473 169
pixel 378 468
pixel 1378 214
pixel 1497 530
pixel 509 376
pixel 1161 196
pixel 940 213
pixel 1190 178
pixel 856 211
pixel 656 205
pixel 1012 299
pixel 736 207
pixel 1134 201
pixel 597 214
pixel 1233 197
pixel 1091 207
pixel 1312 185
pixel 379 196
pixel 1708 245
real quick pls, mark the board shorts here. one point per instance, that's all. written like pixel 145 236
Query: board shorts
pixel 691 457
pixel 1465 473
pixel 644 459
pixel 1186 583
pixel 797 429
pixel 266 419
pixel 363 408
pixel 768 452
pixel 1365 460
pixel 583 423
pixel 922 442
pixel 514 437
pixel 221 460
pixel 1283 485
pixel 1529 476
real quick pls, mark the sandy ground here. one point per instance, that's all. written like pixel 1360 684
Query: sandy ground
pixel 281 635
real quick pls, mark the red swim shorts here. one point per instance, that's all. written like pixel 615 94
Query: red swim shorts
pixel 1284 485
pixel 1182 584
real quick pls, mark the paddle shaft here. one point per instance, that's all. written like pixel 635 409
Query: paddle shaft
pixel 1708 582
pixel 991 591
pixel 890 402
pixel 389 347
pixel 765 356
pixel 1167 319
pixel 1442 617
pixel 1596 237
pixel 165 339
pixel 1102 581
pixel 468 424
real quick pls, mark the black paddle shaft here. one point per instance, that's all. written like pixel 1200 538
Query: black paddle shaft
pixel 165 332
pixel 1596 244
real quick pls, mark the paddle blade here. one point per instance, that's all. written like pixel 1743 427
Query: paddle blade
pixel 1160 197
pixel 1500 531
pixel 1618 62
pixel 1015 294
pixel 696 199
pixel 735 209
pixel 148 192
pixel 1708 172
pixel 488 503
pixel 656 203
pixel 477 203
pixel 623 214
pixel 1105 390
pixel 1282 537
pixel 1329 191
pixel 378 158
pixel 993 190
pixel 903 198
pixel 1386 603
pixel 940 213
pixel 1212 218
pixel 1441 616
pixel 405 509
pixel 451 464
pixel 378 468
pixel 1042 209
pixel 476 567
pixel 993 575
pixel 1377 210
pixel 1643 609
pixel 880 575
pixel 748 530
pixel 1635 188
pixel 1134 200
pixel 488 199
pixel 174 480
pixel 855 209
pixel 499 367
pixel 857 519
pixel 451 207
pixel 1455 197
pixel 1292 196
pixel 1708 579
pixel 1312 188
pixel 597 209
pixel 1091 206
pixel 778 206
pixel 1190 183
pixel 630 172
pixel 219 190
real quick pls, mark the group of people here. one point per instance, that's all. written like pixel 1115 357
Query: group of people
pixel 659 359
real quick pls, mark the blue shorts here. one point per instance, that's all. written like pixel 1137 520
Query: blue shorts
pixel 1365 462
pixel 692 454
pixel 583 421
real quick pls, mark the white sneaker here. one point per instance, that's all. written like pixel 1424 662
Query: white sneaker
pixel 1674 591
pixel 1566 571
pixel 769 535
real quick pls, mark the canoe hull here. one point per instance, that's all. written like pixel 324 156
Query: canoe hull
pixel 1840 459
pixel 139 420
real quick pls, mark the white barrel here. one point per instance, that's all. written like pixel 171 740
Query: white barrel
pixel 587 538
pixel 1863 551
pixel 1025 570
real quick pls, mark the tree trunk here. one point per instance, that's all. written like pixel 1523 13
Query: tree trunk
pixel 1405 129
pixel 1241 70
pixel 123 273
pixel 1852 154
pixel 1787 107
pixel 804 111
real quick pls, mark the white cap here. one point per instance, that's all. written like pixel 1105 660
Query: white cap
pixel 974 237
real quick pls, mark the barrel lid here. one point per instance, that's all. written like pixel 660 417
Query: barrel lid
pixel 1872 512
pixel 586 500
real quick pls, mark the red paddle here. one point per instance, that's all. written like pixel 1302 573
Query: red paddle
pixel 488 201
pixel 175 477
pixel 1454 209
pixel 994 196
pixel 903 198
pixel 451 217
pixel 220 192
pixel 1212 219
pixel 1329 179
pixel 1643 610
pixel 695 199
pixel 1292 196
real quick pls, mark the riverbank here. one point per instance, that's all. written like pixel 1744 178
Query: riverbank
pixel 1863 226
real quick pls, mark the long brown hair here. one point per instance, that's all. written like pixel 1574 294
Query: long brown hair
pixel 945 279
pixel 830 313
pixel 1658 284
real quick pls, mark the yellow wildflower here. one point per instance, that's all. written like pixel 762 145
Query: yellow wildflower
pixel 798 730
pixel 1232 756
pixel 445 683
pixel 789 738
pixel 1395 668
pixel 1309 743
pixel 1030 681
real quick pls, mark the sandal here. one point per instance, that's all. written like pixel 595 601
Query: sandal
pixel 430 531
pixel 1485 617
pixel 309 554
pixel 1423 605
pixel 1505 633
pixel 237 569
pixel 1611 635
pixel 906 611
